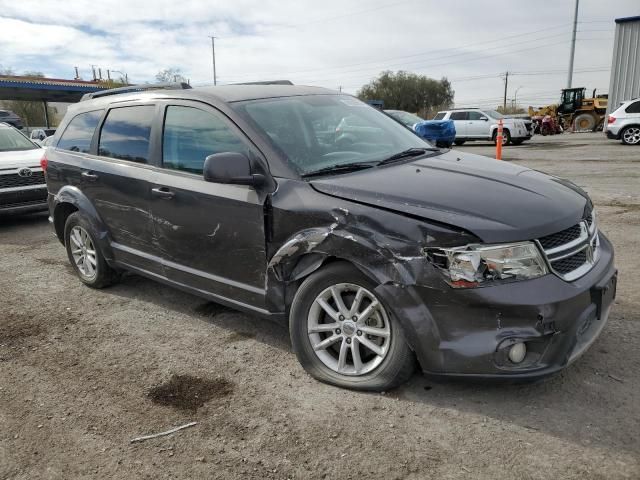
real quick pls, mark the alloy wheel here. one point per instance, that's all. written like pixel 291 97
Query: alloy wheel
pixel 349 329
pixel 631 135
pixel 83 252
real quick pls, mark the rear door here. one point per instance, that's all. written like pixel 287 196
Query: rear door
pixel 211 235
pixel 460 121
pixel 113 174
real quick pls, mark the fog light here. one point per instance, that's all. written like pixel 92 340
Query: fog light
pixel 517 352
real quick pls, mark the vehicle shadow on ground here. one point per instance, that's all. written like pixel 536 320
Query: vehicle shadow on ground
pixel 546 406
pixel 239 325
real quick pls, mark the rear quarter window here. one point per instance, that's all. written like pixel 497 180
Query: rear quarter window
pixel 633 108
pixel 78 134
pixel 439 116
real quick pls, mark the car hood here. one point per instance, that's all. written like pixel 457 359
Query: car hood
pixel 496 201
pixel 21 158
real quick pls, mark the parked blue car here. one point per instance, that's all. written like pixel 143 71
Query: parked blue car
pixel 440 132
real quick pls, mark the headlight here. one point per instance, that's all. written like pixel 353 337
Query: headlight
pixel 476 265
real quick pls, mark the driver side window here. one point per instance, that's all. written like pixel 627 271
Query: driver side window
pixel 190 135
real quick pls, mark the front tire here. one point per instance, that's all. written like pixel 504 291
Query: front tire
pixel 85 255
pixel 343 335
pixel 506 137
pixel 459 142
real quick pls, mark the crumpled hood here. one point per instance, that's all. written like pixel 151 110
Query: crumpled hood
pixel 495 200
pixel 21 158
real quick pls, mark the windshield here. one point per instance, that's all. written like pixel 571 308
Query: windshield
pixel 408 119
pixel 319 131
pixel 494 114
pixel 11 140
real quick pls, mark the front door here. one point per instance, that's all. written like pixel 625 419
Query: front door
pixel 211 235
pixel 477 125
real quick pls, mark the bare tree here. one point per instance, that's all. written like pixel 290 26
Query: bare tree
pixel 170 75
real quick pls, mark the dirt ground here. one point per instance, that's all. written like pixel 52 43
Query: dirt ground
pixel 82 372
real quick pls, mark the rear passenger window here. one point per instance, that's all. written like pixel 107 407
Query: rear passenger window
pixel 458 116
pixel 78 134
pixel 633 108
pixel 125 133
pixel 191 135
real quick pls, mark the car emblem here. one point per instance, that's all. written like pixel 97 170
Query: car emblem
pixel 25 172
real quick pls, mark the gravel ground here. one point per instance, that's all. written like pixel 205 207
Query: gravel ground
pixel 82 372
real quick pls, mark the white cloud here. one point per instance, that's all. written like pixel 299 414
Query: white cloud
pixel 333 43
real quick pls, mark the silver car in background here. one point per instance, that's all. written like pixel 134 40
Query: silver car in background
pixel 624 123
pixel 480 124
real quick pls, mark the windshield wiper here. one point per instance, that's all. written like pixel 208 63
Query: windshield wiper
pixel 344 168
pixel 409 152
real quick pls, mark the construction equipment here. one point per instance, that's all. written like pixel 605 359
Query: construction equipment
pixel 575 111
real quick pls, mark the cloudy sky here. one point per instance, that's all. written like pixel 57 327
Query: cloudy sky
pixel 332 43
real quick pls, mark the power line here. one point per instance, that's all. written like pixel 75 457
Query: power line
pixel 427 53
pixel 464 60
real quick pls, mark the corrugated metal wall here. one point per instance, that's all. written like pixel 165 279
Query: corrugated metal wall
pixel 625 67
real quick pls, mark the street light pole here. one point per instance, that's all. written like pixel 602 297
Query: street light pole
pixel 573 45
pixel 515 96
pixel 213 56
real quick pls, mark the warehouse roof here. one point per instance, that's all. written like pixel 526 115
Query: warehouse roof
pixel 628 19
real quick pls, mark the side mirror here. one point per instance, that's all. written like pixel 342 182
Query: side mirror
pixel 230 168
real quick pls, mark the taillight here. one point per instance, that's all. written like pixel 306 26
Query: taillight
pixel 44 163
pixel 611 119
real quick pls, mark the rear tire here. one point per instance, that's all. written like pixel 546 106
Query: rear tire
pixel 84 253
pixel 333 347
pixel 630 135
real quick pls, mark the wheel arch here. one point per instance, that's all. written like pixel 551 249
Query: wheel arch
pixel 391 274
pixel 70 199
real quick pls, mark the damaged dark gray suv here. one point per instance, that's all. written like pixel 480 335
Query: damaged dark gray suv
pixel 377 247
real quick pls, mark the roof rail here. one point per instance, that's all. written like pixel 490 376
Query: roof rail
pixel 136 88
pixel 267 82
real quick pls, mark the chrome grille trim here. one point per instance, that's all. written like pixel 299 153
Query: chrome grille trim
pixel 587 242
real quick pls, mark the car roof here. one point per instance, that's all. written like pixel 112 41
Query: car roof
pixel 223 93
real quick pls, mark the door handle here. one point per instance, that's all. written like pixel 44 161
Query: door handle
pixel 92 177
pixel 162 192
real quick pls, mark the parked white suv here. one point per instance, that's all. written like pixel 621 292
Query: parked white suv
pixel 624 123
pixel 477 124
pixel 22 185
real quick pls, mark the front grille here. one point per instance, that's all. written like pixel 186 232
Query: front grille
pixel 572 252
pixel 15 180
pixel 557 239
pixel 569 264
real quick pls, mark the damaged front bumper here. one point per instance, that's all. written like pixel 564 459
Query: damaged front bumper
pixel 467 332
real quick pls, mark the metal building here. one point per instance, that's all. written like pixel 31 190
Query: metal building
pixel 625 67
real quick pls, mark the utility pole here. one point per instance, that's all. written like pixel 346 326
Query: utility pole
pixel 573 45
pixel 506 83
pixel 213 56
